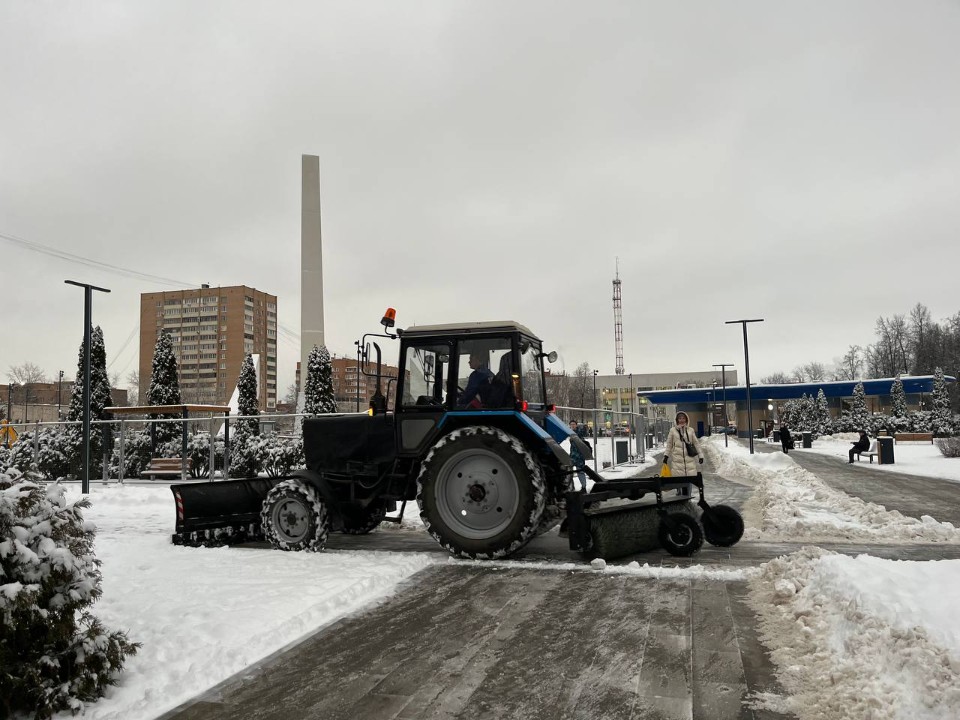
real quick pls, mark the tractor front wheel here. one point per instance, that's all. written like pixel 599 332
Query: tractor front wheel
pixel 481 493
pixel 294 517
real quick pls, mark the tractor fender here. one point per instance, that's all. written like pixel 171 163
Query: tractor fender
pixel 519 424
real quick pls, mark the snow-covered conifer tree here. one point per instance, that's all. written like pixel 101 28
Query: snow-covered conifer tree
pixel 899 398
pixel 859 414
pixel 54 654
pixel 940 417
pixel 823 421
pixel 247 397
pixel 99 398
pixel 318 392
pixel 164 386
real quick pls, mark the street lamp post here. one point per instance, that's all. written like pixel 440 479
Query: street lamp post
pixel 633 432
pixel 10 387
pixel 595 443
pixel 87 328
pixel 59 393
pixel 746 369
pixel 26 402
pixel 726 421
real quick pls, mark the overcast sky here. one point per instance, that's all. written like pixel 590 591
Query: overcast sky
pixel 798 162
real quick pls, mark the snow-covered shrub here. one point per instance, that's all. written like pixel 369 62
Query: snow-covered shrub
pixel 59 454
pixel 949 447
pixel 4 458
pixel 136 454
pixel 54 655
pixel 244 461
pixel 198 450
pixel 278 457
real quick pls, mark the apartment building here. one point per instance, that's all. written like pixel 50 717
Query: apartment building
pixel 213 330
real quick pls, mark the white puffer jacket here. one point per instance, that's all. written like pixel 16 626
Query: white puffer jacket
pixel 681 463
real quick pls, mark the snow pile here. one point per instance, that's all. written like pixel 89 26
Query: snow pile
pixel 203 614
pixel 790 503
pixel 862 637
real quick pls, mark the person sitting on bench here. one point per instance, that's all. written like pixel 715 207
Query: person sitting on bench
pixel 860 446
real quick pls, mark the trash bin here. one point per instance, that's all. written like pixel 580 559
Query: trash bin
pixel 885 450
pixel 807 439
pixel 650 442
pixel 622 448
pixel 776 436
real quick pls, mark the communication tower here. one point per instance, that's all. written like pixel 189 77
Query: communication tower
pixel 618 320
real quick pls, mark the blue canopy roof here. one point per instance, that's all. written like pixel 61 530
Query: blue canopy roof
pixel 912 384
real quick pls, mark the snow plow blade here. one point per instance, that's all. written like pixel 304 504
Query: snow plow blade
pixel 221 511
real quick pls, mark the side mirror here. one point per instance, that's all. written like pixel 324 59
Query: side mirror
pixel 428 367
pixel 552 356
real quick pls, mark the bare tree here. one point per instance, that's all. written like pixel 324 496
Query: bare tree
pixel 800 373
pixel 133 387
pixel 814 372
pixel 290 396
pixel 850 366
pixel 778 378
pixel 581 387
pixel 26 373
pixel 558 388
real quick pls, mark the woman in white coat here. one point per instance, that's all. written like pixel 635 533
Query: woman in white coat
pixel 675 452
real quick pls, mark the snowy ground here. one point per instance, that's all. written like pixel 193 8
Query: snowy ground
pixel 853 637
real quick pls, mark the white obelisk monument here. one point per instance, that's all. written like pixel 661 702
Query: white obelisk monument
pixel 311 267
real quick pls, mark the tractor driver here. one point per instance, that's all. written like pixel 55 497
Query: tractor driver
pixel 478 382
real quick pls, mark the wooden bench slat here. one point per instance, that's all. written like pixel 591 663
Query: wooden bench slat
pixel 914 437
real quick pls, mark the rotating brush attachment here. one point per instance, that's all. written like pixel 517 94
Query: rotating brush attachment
pixel 627 530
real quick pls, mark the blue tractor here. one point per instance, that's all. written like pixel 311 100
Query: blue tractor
pixel 466 430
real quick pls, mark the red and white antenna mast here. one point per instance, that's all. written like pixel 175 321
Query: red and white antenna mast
pixel 618 320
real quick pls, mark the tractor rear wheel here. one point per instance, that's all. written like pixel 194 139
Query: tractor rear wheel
pixel 680 534
pixel 481 493
pixel 294 517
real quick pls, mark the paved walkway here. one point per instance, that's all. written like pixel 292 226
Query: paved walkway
pixel 468 640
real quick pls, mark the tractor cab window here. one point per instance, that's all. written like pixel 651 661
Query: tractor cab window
pixel 478 362
pixel 426 369
pixel 530 372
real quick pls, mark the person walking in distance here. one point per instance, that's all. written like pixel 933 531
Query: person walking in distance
pixel 577 457
pixel 785 440
pixel 682 450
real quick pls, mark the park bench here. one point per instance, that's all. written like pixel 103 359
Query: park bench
pixel 914 437
pixel 165 467
pixel 871 453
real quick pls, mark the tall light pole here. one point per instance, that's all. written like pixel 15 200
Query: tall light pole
pixel 746 369
pixel 59 393
pixel 87 327
pixel 11 386
pixel 595 428
pixel 632 408
pixel 726 421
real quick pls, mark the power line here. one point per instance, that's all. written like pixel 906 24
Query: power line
pixel 288 333
pixel 107 267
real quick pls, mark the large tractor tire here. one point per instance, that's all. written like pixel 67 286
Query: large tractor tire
pixel 294 517
pixel 364 521
pixel 481 493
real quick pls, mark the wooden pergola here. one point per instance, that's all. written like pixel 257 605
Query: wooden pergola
pixel 184 411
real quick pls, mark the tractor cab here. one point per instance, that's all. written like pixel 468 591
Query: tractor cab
pixel 450 374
